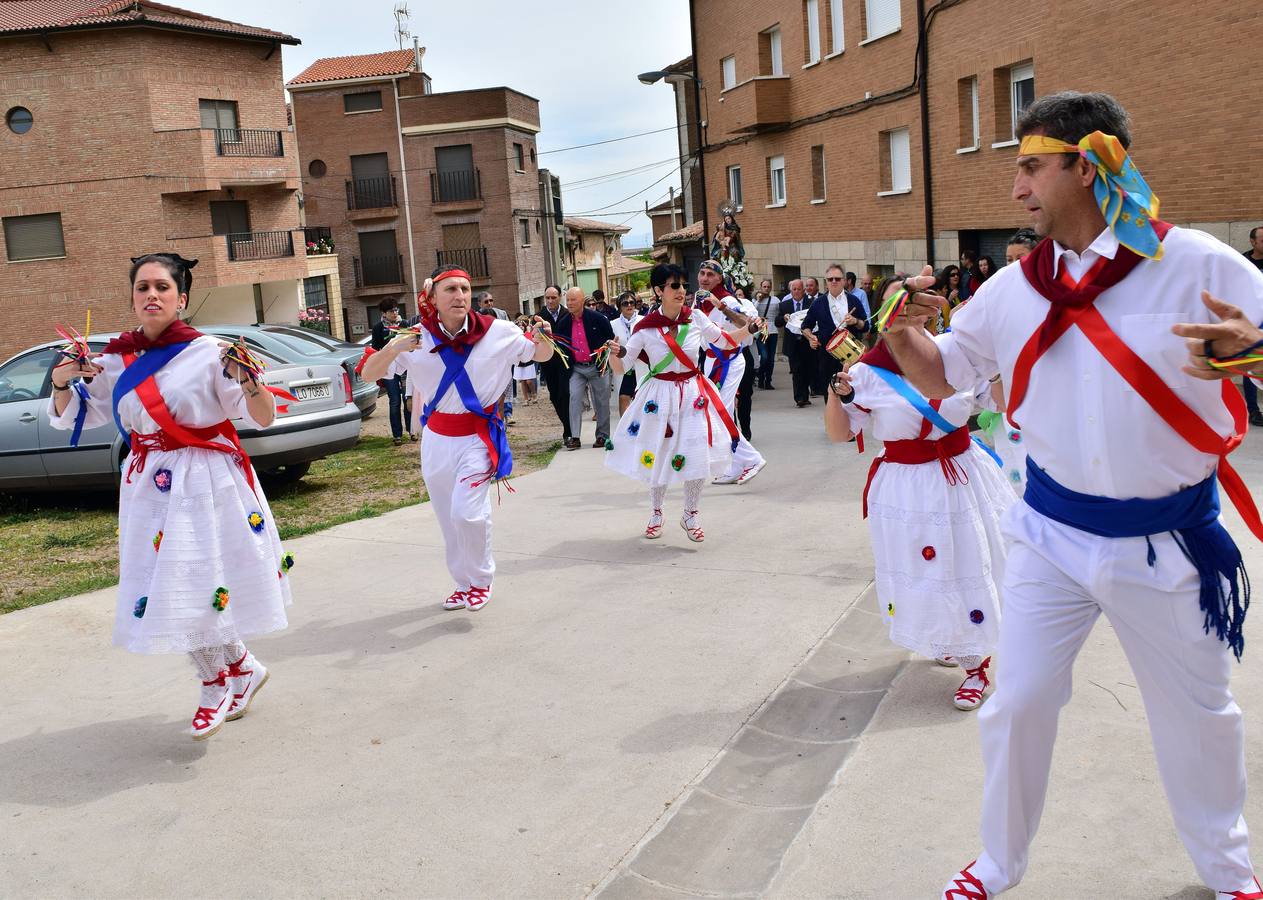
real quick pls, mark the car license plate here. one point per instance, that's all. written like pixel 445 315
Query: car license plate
pixel 313 391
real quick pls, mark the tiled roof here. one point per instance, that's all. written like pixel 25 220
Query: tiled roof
pixel 577 224
pixel 33 16
pixel 665 207
pixel 688 233
pixel 624 264
pixel 367 65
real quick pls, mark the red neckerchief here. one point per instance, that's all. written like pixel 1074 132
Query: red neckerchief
pixel 1073 304
pixel 476 325
pixel 656 319
pixel 134 341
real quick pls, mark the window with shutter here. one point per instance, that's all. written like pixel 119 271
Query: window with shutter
pixel 229 217
pixel 34 237
pixel 366 101
pixel 218 114
pixel 881 17
pixel 811 18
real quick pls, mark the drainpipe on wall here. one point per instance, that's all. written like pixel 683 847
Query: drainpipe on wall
pixel 697 119
pixel 407 207
pixel 923 72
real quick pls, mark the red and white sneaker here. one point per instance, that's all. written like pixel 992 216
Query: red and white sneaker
pixel 750 471
pixel 692 526
pixel 456 601
pixel 965 886
pixel 212 708
pixel 245 678
pixel 477 597
pixel 1242 895
pixel 653 530
pixel 726 478
pixel 974 688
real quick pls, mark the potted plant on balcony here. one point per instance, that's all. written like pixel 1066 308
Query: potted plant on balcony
pixel 316 318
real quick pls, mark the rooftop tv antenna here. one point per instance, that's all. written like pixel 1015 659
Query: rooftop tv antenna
pixel 402 34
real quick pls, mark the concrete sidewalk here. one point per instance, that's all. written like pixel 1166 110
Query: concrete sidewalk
pixel 629 718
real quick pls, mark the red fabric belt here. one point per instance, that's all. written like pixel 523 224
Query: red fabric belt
pixel 676 376
pixel 913 453
pixel 142 444
pixel 459 424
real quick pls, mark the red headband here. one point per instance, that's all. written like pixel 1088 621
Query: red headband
pixel 454 272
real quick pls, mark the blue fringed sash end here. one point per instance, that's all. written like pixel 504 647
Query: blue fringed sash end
pixel 1192 518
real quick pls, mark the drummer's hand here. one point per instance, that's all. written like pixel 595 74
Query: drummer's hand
pixel 812 339
pixel 850 320
pixel 68 370
pixel 1232 334
pixel 920 306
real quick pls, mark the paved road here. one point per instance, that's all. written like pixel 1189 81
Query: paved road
pixel 626 718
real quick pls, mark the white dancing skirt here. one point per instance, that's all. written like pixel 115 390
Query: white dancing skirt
pixel 668 434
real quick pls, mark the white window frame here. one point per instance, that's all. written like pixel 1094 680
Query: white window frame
pixel 811 9
pixel 728 65
pixel 735 187
pixel 973 111
pixel 900 162
pixel 1017 75
pixel 777 164
pixel 774 46
pixel 881 17
pixel 837 34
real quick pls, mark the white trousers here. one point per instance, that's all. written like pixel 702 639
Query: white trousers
pixel 745 456
pixel 1057 581
pixel 451 467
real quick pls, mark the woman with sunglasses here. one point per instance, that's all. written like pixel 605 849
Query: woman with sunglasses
pixel 200 562
pixel 676 428
pixel 624 324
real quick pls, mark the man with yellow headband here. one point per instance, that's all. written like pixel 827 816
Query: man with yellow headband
pixel 1128 446
pixel 459 361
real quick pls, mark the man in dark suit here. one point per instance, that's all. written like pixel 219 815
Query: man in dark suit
pixel 796 348
pixel 830 312
pixel 554 372
pixel 585 332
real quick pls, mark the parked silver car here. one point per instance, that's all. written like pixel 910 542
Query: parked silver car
pixel 303 346
pixel 36 456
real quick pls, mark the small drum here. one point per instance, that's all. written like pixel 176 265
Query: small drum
pixel 844 347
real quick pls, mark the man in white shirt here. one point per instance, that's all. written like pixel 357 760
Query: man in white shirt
pixel 624 324
pixel 1120 514
pixel 767 306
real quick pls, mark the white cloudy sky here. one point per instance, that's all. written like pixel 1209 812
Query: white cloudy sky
pixel 580 60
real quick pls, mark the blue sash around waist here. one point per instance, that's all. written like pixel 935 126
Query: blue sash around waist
pixel 1190 515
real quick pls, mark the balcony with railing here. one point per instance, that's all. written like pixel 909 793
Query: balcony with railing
pixel 248 245
pixel 375 274
pixel 249 142
pixel 473 260
pixel 368 198
pixel 461 188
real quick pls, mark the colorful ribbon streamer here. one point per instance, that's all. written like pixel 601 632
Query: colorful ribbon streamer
pixel 1125 200
pixel 890 309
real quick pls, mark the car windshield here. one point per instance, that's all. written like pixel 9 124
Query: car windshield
pixel 315 337
pixel 23 378
pixel 298 345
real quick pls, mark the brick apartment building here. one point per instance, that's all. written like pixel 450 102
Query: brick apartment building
pixel 132 127
pixel 405 179
pixel 814 129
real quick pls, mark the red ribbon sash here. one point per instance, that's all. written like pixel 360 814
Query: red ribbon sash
pixel 704 384
pixel 1137 373
pixel 177 435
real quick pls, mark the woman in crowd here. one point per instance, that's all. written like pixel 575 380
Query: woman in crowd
pixel 933 501
pixel 201 566
pixel 676 428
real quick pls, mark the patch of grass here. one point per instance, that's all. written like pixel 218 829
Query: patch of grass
pixel 58 545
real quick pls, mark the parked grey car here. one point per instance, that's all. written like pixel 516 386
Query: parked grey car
pixel 304 346
pixel 36 456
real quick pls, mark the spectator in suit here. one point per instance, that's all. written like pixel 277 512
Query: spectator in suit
pixel 768 308
pixel 586 331
pixel 393 384
pixel 796 348
pixel 487 306
pixel 553 371
pixel 970 277
pixel 827 315
pixel 818 383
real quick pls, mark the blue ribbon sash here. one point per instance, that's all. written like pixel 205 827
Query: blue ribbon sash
pixel 900 386
pixel 142 368
pixel 454 374
pixel 81 415
pixel 1190 515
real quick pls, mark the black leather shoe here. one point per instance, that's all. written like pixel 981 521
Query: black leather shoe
pixel 1256 418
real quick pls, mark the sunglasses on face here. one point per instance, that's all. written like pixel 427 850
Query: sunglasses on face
pixel 674 285
pixel 833 279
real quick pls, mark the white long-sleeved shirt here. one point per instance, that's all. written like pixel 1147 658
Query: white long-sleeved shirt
pixel 1081 421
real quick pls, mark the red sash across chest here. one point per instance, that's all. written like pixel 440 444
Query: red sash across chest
pixel 1073 305
pixel 171 435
